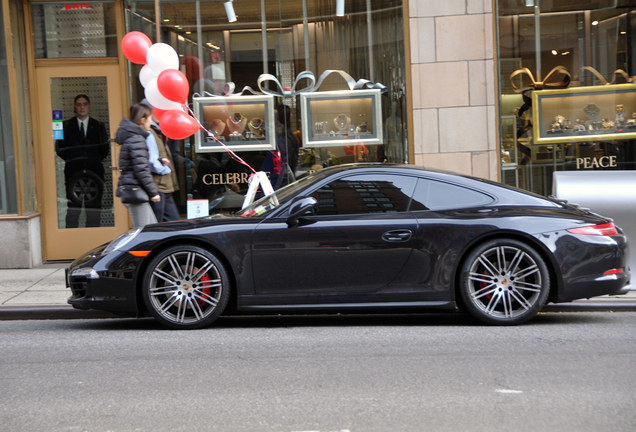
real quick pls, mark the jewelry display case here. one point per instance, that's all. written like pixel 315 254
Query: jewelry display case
pixel 242 123
pixel 337 118
pixel 580 114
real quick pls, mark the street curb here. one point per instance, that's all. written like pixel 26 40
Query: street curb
pixel 49 312
pixel 589 306
pixel 61 312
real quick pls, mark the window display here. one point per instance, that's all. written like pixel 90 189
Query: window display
pixel 241 123
pixel 341 118
pixel 588 125
pixel 585 113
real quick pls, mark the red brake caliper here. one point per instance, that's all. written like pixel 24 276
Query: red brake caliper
pixel 206 291
pixel 483 285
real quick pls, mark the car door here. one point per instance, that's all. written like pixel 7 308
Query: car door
pixel 357 242
pixel 449 217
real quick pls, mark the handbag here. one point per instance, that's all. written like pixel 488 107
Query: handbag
pixel 132 194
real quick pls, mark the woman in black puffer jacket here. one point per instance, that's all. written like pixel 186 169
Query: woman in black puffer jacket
pixel 133 162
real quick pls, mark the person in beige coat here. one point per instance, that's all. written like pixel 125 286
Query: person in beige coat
pixel 163 172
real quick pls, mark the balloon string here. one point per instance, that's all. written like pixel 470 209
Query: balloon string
pixel 229 151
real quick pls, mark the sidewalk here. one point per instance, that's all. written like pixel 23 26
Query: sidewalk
pixel 41 293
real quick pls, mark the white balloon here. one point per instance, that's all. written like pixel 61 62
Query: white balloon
pixel 156 99
pixel 146 74
pixel 162 56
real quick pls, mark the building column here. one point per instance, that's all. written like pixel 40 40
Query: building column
pixel 453 86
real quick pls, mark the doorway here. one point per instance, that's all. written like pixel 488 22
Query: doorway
pixel 78 168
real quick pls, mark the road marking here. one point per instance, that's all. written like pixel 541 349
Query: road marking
pixel 508 391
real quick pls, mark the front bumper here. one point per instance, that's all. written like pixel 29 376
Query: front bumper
pixel 104 282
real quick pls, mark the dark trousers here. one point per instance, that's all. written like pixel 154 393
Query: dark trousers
pixel 165 210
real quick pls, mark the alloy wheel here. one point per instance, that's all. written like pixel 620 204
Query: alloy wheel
pixel 186 287
pixel 505 282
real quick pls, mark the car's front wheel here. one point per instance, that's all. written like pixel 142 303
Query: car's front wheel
pixel 186 287
pixel 504 282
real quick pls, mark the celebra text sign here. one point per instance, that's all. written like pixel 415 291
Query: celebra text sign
pixel 226 178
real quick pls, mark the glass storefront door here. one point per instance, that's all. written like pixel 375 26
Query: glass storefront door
pixel 78 116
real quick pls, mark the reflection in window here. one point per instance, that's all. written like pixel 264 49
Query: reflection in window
pixel 74 30
pixel 273 38
pixel 435 195
pixel 378 194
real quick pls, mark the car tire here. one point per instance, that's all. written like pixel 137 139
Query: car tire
pixel 504 282
pixel 186 287
pixel 85 188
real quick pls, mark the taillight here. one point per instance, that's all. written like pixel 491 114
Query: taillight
pixel 613 271
pixel 602 229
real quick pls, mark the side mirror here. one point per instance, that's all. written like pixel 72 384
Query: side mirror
pixel 299 207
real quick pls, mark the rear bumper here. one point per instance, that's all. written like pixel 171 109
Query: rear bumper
pixel 588 265
pixel 627 288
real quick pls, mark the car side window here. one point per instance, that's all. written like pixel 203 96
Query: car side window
pixel 437 195
pixel 365 194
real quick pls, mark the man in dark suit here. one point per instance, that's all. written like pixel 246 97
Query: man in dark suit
pixel 83 148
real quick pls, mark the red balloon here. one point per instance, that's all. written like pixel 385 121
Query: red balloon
pixel 173 85
pixel 158 112
pixel 178 125
pixel 192 65
pixel 135 45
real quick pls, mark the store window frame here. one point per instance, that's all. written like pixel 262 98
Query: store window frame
pixel 599 35
pixel 161 23
pixel 15 133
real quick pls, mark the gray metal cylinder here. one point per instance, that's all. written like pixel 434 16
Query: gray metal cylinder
pixel 608 193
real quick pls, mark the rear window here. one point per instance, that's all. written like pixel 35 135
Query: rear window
pixel 436 195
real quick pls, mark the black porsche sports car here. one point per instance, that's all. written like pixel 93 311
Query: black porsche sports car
pixel 363 237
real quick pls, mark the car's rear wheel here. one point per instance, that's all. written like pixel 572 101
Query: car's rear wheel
pixel 186 287
pixel 504 282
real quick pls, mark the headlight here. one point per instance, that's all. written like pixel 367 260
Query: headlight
pixel 86 272
pixel 121 241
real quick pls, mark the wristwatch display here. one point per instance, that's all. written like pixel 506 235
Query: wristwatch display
pixel 584 114
pixel 344 117
pixel 594 124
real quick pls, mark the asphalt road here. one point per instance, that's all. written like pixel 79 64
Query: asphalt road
pixel 561 372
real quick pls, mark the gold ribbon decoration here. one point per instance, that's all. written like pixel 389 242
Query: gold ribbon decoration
pixel 545 84
pixel 601 78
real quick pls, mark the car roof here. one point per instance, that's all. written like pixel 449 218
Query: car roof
pixel 504 193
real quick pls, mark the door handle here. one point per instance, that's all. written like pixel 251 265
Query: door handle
pixel 397 236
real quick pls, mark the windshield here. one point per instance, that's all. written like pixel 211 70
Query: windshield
pixel 271 202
